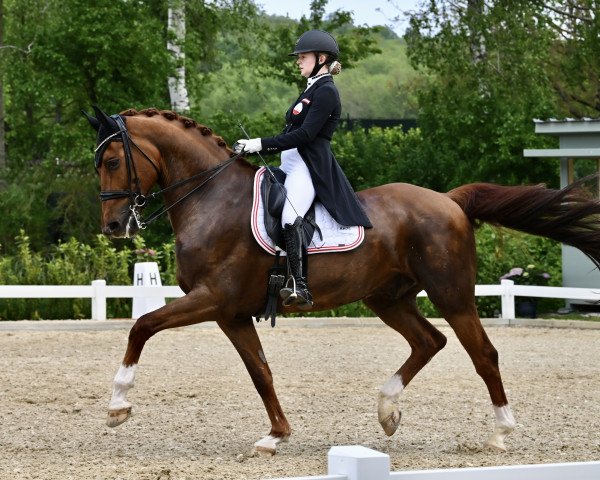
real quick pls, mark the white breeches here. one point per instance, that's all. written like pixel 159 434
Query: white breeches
pixel 300 190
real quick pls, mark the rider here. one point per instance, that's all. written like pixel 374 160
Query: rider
pixel 307 159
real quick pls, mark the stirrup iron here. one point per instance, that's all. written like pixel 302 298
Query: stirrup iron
pixel 289 295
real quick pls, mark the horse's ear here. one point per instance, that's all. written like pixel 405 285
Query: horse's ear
pixel 93 120
pixel 107 122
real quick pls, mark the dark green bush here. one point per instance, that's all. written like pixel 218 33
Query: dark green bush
pixel 75 263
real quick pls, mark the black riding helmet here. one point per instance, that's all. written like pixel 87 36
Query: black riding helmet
pixel 317 41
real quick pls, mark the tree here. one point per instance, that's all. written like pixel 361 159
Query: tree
pixel 113 55
pixel 574 66
pixel 2 134
pixel 486 80
pixel 67 56
pixel 178 93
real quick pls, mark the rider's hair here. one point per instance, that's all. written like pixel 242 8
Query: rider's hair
pixel 333 66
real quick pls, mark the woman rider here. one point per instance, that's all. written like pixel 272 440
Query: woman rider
pixel 307 159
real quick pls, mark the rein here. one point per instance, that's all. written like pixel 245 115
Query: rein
pixel 164 209
pixel 137 200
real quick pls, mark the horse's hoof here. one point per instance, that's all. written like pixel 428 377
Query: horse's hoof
pixel 495 445
pixel 267 447
pixel 391 423
pixel 117 417
pixel 389 415
pixel 496 441
pixel 264 451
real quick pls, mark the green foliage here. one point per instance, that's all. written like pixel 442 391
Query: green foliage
pixel 79 55
pixel 378 156
pixel 486 82
pixel 574 66
pixel 53 201
pixel 380 86
pixel 75 263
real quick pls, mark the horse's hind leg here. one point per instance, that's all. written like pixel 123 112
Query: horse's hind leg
pixel 424 340
pixel 461 313
pixel 244 338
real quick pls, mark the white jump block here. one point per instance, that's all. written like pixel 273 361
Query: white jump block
pixel 146 274
pixel 358 463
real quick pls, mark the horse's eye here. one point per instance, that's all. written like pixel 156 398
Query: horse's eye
pixel 112 163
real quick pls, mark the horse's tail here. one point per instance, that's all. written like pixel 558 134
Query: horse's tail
pixel 570 215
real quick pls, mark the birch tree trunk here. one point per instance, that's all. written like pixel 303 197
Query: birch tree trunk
pixel 2 132
pixel 176 24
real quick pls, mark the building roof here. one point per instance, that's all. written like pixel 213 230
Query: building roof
pixel 579 138
pixel 554 126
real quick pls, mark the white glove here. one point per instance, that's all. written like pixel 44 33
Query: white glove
pixel 248 146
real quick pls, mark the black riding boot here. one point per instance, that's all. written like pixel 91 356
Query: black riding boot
pixel 295 292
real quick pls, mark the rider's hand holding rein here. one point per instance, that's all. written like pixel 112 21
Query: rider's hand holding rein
pixel 252 145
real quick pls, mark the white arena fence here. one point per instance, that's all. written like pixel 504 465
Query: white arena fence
pixel 360 463
pixel 99 292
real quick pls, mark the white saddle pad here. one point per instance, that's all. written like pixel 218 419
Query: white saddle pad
pixel 336 237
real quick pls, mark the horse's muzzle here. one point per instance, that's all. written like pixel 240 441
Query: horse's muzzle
pixel 125 227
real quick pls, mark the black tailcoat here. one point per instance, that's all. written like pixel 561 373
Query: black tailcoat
pixel 310 123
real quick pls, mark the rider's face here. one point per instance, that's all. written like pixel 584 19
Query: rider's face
pixel 306 62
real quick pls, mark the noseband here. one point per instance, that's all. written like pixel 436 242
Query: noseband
pixel 137 200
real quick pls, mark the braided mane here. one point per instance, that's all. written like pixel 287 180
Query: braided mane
pixel 186 121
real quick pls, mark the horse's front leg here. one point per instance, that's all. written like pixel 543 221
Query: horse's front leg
pixel 244 338
pixel 183 311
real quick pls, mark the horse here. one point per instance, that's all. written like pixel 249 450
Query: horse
pixel 420 240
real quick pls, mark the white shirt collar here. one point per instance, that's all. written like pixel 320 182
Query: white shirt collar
pixel 312 80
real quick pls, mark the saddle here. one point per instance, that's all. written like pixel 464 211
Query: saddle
pixel 274 196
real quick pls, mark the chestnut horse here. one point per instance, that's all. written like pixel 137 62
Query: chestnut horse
pixel 420 240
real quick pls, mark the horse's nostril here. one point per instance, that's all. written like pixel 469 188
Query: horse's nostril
pixel 112 227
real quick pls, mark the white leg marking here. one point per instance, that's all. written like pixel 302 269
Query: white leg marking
pixel 121 384
pixel 504 417
pixel 393 387
pixel 388 408
pixel 505 424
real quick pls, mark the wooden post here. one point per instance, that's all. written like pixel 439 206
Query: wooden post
pixel 508 300
pixel 99 300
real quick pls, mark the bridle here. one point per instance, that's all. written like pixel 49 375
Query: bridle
pixel 138 200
